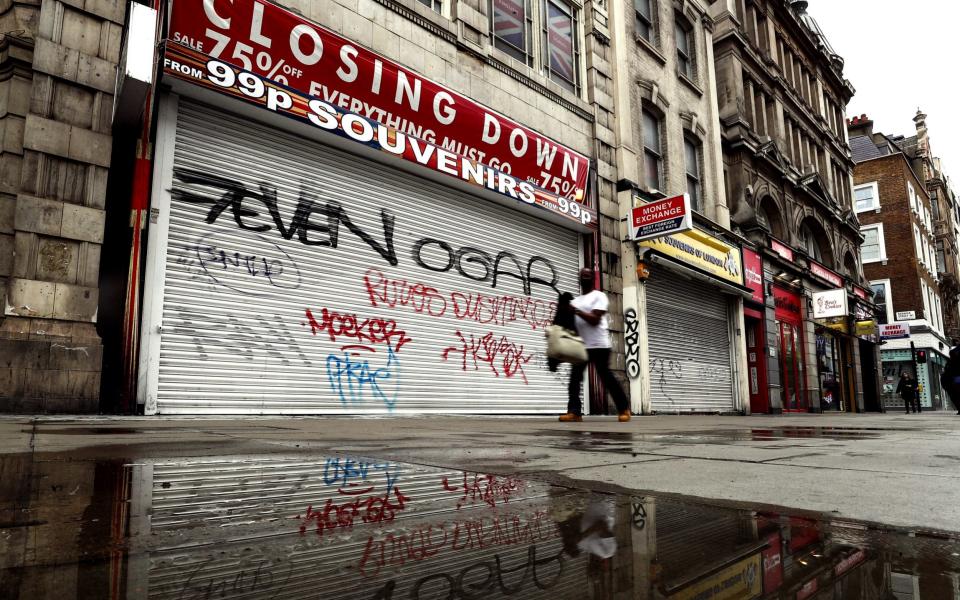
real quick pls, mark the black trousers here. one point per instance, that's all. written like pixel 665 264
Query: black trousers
pixel 912 404
pixel 600 359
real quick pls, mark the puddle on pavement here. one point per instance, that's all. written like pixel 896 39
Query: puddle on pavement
pixel 337 527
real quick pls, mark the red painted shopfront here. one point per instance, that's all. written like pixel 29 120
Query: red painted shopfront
pixel 756 338
pixel 789 329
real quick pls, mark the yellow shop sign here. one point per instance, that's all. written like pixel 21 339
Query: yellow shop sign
pixel 739 581
pixel 703 251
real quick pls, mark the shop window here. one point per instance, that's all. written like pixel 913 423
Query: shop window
pixel 645 19
pixel 872 249
pixel 561 51
pixel 866 197
pixel 512 22
pixel 683 34
pixel 881 297
pixel 693 157
pixel 652 154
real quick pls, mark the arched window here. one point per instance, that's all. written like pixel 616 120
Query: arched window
pixel 850 266
pixel 809 243
pixel 813 239
pixel 768 214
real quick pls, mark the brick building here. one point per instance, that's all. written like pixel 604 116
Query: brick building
pixel 900 256
pixel 782 96
pixel 57 77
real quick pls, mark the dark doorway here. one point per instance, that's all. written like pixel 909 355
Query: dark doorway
pixel 868 376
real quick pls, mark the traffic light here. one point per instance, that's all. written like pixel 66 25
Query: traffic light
pixel 921 356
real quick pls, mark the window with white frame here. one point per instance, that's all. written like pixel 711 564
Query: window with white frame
pixel 872 249
pixel 683 37
pixel 932 265
pixel 693 157
pixel 866 197
pixel 881 297
pixel 939 309
pixel 917 242
pixel 926 300
pixel 512 24
pixel 436 5
pixel 652 153
pixel 941 257
pixel 561 48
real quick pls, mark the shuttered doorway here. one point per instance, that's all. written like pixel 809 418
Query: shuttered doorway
pixel 689 341
pixel 300 279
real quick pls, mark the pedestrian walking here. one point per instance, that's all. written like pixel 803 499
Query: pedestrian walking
pixel 950 379
pixel 907 388
pixel 590 318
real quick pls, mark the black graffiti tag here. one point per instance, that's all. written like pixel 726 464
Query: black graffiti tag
pixel 632 342
pixel 323 232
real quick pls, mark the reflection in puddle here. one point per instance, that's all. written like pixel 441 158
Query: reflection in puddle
pixel 350 527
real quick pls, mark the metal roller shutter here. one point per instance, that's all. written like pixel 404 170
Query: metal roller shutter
pixel 689 344
pixel 236 335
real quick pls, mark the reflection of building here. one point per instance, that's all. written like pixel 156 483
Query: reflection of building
pixel 900 252
pixel 787 172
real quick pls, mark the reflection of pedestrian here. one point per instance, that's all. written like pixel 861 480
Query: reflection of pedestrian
pixel 590 312
pixel 591 532
pixel 907 388
pixel 950 379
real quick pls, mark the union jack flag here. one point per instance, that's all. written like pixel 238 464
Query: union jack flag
pixel 560 38
pixel 508 22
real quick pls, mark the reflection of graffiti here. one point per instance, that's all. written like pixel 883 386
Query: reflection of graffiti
pixel 246 336
pixel 354 380
pixel 352 474
pixel 492 351
pixel 631 339
pixel 663 370
pixel 342 513
pixel 486 488
pixel 639 515
pixel 397 549
pixel 371 330
pixel 483 579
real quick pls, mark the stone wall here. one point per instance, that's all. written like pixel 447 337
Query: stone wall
pixel 57 75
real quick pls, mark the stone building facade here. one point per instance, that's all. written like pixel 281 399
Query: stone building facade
pixel 57 77
pixel 782 96
pixel 900 256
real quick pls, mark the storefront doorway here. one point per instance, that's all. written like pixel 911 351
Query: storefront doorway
pixel 833 371
pixel 756 364
pixel 790 348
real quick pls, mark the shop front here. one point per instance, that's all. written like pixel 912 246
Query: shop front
pixel 753 322
pixel 868 338
pixel 694 302
pixel 790 348
pixel 304 258
pixel 835 351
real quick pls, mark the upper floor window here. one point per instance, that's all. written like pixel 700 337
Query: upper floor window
pixel 941 257
pixel 561 51
pixel 436 5
pixel 912 194
pixel 935 207
pixel 809 243
pixel 652 154
pixel 872 249
pixel 683 32
pixel 692 158
pixel 881 297
pixel 866 197
pixel 512 24
pixel 645 19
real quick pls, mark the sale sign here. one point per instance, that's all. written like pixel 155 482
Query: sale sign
pixel 661 217
pixel 264 54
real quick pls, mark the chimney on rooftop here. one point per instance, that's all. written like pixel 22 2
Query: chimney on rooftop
pixel 860 126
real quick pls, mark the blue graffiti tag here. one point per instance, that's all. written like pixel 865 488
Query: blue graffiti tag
pixel 349 473
pixel 353 379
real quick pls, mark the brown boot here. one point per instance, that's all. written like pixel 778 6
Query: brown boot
pixel 624 416
pixel 570 418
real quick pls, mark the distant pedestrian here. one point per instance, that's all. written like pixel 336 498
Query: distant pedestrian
pixel 950 379
pixel 590 317
pixel 907 388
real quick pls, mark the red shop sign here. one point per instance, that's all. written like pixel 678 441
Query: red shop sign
pixel 271 57
pixel 772 565
pixel 753 273
pixel 787 305
pixel 860 292
pixel 826 274
pixel 785 252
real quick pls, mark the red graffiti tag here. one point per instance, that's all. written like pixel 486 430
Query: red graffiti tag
pixel 399 292
pixel 373 330
pixel 486 488
pixel 492 351
pixel 343 514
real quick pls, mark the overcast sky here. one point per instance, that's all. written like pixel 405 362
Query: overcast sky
pixel 900 56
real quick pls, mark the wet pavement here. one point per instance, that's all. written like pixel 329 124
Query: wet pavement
pixel 256 510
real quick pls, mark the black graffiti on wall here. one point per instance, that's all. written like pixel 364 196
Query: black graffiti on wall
pixel 313 223
pixel 316 223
